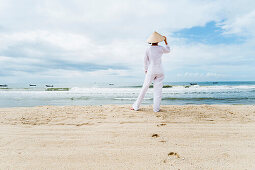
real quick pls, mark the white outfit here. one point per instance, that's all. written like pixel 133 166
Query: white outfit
pixel 153 66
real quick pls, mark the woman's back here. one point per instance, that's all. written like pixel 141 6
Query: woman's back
pixel 153 55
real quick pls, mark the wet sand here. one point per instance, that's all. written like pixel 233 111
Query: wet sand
pixel 114 137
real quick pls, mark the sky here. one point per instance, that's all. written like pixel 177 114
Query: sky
pixel 81 41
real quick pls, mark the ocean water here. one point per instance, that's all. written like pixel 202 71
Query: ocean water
pixel 177 93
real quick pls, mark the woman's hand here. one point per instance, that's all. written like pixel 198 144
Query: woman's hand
pixel 165 40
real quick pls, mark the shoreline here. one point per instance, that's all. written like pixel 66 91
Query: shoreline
pixel 191 113
pixel 144 105
pixel 115 137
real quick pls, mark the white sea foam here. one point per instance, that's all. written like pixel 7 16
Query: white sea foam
pixel 108 91
pixel 109 95
pixel 125 98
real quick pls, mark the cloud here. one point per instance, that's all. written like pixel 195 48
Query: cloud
pixel 34 53
pixel 53 39
pixel 200 75
pixel 241 25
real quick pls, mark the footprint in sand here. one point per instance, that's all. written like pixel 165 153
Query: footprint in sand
pixel 154 135
pixel 161 124
pixel 174 154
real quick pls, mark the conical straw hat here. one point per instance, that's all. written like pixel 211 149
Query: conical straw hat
pixel 155 37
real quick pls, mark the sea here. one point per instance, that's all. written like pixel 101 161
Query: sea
pixel 173 93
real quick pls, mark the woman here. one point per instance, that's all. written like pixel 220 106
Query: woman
pixel 153 70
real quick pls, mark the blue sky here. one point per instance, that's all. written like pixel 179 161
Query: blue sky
pixel 83 41
pixel 210 34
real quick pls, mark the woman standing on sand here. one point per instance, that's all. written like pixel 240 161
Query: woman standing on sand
pixel 153 70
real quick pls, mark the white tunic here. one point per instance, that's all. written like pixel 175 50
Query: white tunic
pixel 152 59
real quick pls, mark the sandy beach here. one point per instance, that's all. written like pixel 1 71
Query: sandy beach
pixel 114 137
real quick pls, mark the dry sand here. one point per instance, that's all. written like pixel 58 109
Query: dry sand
pixel 114 137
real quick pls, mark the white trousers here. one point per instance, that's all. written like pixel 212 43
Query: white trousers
pixel 157 90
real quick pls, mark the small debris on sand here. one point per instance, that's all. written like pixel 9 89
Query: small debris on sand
pixel 163 141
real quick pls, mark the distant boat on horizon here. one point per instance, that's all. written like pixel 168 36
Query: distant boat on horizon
pixel 49 85
pixel 3 85
pixel 193 83
pixel 32 85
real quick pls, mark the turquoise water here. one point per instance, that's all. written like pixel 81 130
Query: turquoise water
pixel 179 93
